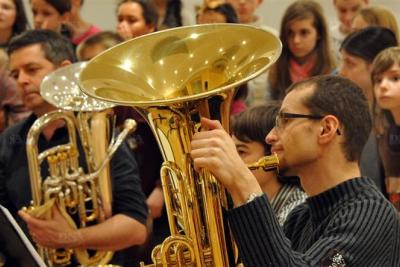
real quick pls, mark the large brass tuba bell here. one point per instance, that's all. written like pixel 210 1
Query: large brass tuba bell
pixel 76 192
pixel 173 78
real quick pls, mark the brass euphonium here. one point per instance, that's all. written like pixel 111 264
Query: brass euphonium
pixel 173 78
pixel 76 192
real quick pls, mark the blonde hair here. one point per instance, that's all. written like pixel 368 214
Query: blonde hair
pixel 106 38
pixel 380 16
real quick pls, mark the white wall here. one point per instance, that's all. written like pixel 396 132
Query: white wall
pixel 102 12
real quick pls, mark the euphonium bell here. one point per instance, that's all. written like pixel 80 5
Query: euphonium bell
pixel 76 192
pixel 173 78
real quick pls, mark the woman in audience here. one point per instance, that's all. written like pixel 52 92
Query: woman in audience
pixel 385 76
pixel 306 47
pixel 13 20
pixel 249 130
pixel 12 110
pixel 375 16
pixel 52 15
pixel 358 51
pixel 136 18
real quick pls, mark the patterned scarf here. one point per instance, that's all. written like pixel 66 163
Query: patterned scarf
pixel 299 72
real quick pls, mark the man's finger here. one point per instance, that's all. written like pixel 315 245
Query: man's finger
pixel 210 124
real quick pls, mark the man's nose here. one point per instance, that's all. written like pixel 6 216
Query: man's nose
pixel 271 137
pixel 22 78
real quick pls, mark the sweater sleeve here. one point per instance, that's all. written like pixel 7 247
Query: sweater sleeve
pixel 361 234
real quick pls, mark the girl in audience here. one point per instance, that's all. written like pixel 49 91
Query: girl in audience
pixel 375 16
pixel 249 130
pixel 51 15
pixel 13 20
pixel 358 51
pixel 96 44
pixel 385 76
pixel 306 47
pixel 136 18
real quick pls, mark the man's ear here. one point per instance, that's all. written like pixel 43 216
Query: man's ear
pixel 329 128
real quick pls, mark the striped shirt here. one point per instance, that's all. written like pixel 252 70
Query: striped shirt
pixel 351 224
pixel 288 197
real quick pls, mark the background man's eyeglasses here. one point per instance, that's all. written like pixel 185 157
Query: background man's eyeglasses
pixel 282 118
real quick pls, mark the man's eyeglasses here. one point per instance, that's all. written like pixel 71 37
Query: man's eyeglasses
pixel 282 118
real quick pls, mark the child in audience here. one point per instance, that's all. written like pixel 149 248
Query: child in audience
pixel 385 76
pixel 96 44
pixel 345 10
pixel 375 16
pixel 52 15
pixel 249 130
pixel 136 18
pixel 306 47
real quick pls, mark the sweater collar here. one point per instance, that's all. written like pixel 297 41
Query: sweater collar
pixel 323 204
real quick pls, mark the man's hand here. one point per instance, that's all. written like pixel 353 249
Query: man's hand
pixel 52 233
pixel 155 202
pixel 215 151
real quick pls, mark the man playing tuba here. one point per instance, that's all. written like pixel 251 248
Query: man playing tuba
pixel 33 55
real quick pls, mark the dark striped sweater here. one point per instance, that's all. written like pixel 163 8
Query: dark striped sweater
pixel 351 224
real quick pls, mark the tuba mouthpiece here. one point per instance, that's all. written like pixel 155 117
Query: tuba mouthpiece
pixel 267 163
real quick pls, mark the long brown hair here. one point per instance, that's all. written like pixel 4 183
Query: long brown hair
pixel 279 77
pixel 382 119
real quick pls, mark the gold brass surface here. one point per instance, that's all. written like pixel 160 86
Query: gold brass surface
pixel 266 163
pixel 173 78
pixel 77 192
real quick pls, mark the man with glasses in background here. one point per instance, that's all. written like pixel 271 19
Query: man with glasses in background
pixel 319 134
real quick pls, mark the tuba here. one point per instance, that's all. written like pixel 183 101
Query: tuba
pixel 86 194
pixel 173 78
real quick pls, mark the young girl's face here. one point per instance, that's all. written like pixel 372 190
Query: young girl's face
pixel 8 14
pixel 46 17
pixel 131 22
pixel 387 88
pixel 301 37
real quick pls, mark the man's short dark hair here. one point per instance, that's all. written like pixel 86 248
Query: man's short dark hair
pixel 55 47
pixel 338 96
